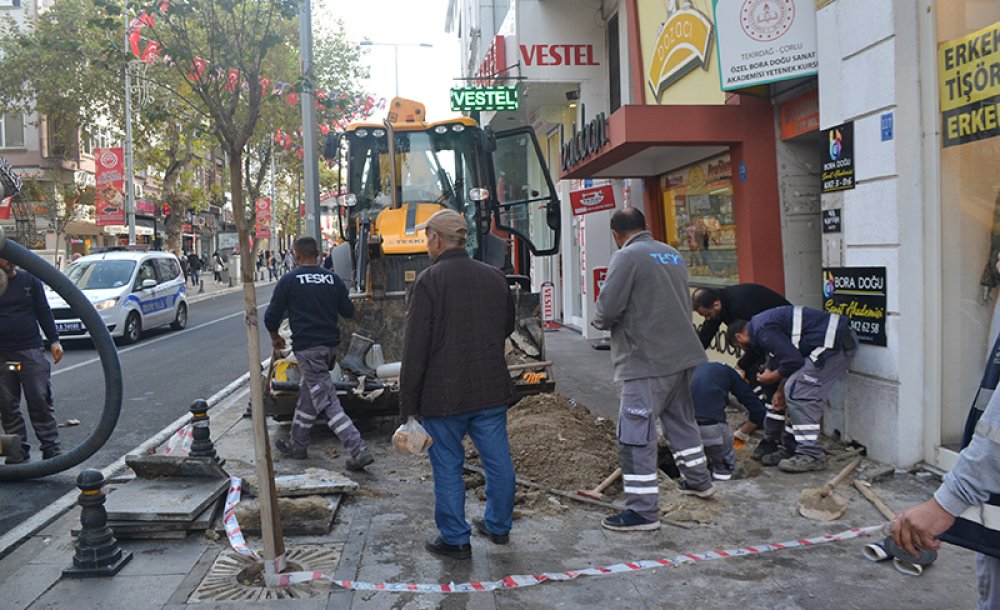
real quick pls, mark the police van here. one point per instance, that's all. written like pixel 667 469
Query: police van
pixel 132 291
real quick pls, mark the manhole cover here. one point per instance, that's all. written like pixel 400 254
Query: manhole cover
pixel 221 583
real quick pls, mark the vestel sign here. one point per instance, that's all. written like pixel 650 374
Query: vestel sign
pixel 495 97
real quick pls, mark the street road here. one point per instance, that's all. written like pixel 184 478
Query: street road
pixel 163 374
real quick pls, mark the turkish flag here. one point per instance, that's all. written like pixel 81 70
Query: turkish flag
pixel 198 66
pixel 232 80
pixel 151 53
pixel 5 208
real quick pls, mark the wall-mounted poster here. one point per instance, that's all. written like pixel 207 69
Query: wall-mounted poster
pixel 858 293
pixel 837 158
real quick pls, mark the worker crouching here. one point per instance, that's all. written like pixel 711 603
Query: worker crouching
pixel 811 351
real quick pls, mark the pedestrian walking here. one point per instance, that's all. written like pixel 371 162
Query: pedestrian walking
pixel 328 259
pixel 459 314
pixel 313 298
pixel 195 266
pixel 218 264
pixel 23 309
pixel 272 266
pixel 645 303
pixel 288 261
pixel 811 351
pixel 711 386
pixel 183 260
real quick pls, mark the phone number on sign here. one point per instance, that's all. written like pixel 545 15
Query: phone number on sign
pixel 866 328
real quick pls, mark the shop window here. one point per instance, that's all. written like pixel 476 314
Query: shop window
pixel 614 65
pixel 12 130
pixel 698 213
pixel 970 206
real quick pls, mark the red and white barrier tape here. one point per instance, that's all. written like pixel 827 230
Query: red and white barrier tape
pixel 521 581
pixel 180 441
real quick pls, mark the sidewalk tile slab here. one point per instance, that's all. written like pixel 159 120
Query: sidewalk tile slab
pixel 108 593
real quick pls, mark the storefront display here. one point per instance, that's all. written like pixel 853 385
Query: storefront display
pixel 970 202
pixel 698 214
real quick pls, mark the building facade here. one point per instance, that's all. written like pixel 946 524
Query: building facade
pixel 838 151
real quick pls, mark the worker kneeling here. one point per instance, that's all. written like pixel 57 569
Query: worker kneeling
pixel 811 351
pixel 711 386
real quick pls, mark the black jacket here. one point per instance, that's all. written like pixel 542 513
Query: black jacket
pixel 740 302
pixel 312 297
pixel 459 313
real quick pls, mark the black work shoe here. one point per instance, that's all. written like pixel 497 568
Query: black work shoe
pixel 629 521
pixel 290 449
pixel 455 551
pixel 359 461
pixel 802 463
pixel 480 526
pixel 11 460
pixel 687 490
pixel 51 453
pixel 763 448
pixel 773 458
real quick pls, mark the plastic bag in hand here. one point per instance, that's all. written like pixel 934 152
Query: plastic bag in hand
pixel 411 437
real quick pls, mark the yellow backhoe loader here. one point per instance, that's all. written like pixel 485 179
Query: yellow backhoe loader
pixel 398 173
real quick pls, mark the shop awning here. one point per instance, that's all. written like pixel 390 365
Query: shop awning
pixel 82 228
pixel 645 141
pixel 123 230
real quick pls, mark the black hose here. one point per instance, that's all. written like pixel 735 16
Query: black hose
pixel 32 263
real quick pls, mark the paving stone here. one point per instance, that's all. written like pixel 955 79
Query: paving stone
pixel 157 466
pixel 167 499
pixel 112 593
pixel 306 515
pixel 312 482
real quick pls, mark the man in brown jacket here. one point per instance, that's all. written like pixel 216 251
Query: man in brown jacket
pixel 454 377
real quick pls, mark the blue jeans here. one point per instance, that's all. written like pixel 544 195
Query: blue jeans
pixel 488 431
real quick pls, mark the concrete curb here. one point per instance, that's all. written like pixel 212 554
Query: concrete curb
pixel 13 539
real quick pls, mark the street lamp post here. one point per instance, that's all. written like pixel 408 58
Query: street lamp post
pixel 395 53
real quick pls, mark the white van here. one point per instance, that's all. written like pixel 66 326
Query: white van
pixel 132 291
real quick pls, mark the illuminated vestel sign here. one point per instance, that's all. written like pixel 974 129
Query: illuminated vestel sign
pixel 498 97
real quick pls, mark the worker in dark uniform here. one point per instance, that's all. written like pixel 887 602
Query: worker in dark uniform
pixel 779 441
pixel 711 386
pixel 23 309
pixel 811 351
pixel 739 302
pixel 313 298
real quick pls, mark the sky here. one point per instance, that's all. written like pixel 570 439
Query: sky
pixel 425 74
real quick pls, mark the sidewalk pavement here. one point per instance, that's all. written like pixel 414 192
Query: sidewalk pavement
pixel 210 289
pixel 378 536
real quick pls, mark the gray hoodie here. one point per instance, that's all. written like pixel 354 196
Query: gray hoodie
pixel 646 304
pixel 977 473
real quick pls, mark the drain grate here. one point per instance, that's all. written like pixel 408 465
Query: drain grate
pixel 221 583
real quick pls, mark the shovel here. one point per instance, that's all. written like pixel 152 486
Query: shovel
pixel 598 492
pixel 821 503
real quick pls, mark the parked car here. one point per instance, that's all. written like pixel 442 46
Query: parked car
pixel 132 290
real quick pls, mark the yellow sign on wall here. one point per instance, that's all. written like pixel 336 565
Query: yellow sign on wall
pixel 969 83
pixel 676 38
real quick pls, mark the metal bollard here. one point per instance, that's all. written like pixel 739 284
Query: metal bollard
pixel 201 436
pixel 97 551
pixel 201 286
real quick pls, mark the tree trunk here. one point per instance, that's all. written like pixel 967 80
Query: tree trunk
pixel 274 544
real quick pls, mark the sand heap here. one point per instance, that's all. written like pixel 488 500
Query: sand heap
pixel 557 443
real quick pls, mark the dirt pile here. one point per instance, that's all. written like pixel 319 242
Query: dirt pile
pixel 557 443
